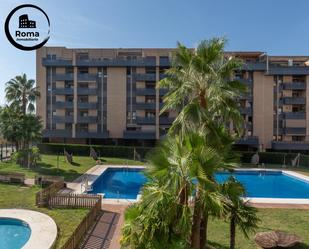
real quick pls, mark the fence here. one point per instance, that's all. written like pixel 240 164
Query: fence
pixel 43 196
pixel 83 227
pixel 6 150
pixel 74 200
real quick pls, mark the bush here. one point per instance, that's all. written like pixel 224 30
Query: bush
pixel 102 150
pixel 27 157
pixel 275 158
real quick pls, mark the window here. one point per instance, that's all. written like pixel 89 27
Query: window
pixel 149 114
pixel 83 85
pixel 69 113
pixel 83 99
pixel 298 138
pixel 82 56
pixel 150 85
pixel 69 98
pixel 68 126
pixel 150 70
pixel 69 70
pixel 82 70
pixel 68 84
pixel 82 127
pixel 150 99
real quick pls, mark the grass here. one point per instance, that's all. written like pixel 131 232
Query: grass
pixel 48 166
pixel 289 220
pixel 17 196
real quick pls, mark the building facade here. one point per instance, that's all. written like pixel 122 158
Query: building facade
pixel 109 96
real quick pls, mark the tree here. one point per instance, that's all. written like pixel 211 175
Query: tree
pixel 21 92
pixel 202 89
pixel 179 169
pixel 236 210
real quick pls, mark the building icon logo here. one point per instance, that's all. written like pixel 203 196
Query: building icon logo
pixel 24 33
pixel 24 22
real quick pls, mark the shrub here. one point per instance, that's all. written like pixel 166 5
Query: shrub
pixel 27 157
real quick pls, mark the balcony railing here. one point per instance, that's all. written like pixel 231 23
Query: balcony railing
pixel 294 86
pixel 63 119
pixel 143 106
pixel 166 120
pixel 149 91
pixel 288 70
pixel 295 130
pixel 89 134
pixel 145 120
pixel 87 105
pixel 57 133
pixel 63 91
pixel 294 100
pixel 290 145
pixel 165 62
pixel 145 77
pixel 86 77
pixel 248 140
pixel 87 91
pixel 62 105
pixel 62 77
pixel 293 115
pixel 56 62
pixel 139 134
pixel 87 120
pixel 117 62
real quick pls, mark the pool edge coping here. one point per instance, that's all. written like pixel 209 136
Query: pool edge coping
pixel 97 170
pixel 43 227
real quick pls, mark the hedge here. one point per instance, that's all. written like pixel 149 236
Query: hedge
pixel 102 150
pixel 275 158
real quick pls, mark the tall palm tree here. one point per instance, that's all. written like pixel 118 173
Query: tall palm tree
pixel 22 92
pixel 237 211
pixel 201 87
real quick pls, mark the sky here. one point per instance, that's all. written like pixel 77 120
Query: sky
pixel 278 27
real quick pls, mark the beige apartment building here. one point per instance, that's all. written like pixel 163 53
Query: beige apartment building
pixel 109 96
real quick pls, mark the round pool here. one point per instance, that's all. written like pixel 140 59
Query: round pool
pixel 14 233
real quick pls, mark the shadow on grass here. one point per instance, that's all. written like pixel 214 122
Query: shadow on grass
pixel 75 164
pixel 215 245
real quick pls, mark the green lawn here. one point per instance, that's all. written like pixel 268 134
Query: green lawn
pixel 48 166
pixel 289 220
pixel 16 196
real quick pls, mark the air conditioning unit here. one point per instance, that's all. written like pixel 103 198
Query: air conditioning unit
pixel 290 62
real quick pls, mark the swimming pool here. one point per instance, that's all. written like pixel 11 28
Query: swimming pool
pixel 14 233
pixel 125 183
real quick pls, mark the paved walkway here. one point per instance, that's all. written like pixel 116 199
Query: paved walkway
pixel 106 233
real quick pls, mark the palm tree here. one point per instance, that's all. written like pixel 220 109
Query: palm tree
pixel 21 92
pixel 237 211
pixel 201 88
pixel 180 168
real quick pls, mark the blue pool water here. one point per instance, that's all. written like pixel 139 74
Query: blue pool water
pixel 126 183
pixel 13 233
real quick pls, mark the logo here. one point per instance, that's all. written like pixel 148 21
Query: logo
pixel 27 27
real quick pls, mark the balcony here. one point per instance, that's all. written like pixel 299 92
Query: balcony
pixel 117 62
pixel 87 105
pixel 87 91
pixel 246 111
pixel 63 105
pixel 89 134
pixel 247 82
pixel 150 106
pixel 166 120
pixel 87 120
pixel 62 77
pixel 165 62
pixel 57 133
pixel 295 130
pixel 145 77
pixel 294 100
pixel 149 91
pixel 294 115
pixel 63 91
pixel 288 70
pixel 163 75
pixel 139 134
pixel 294 86
pixel 290 145
pixel 56 62
pixel 248 140
pixel 86 77
pixel 146 120
pixel 63 119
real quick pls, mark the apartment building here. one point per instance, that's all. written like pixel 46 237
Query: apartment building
pixel 109 96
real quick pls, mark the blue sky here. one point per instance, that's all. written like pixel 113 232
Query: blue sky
pixel 274 26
